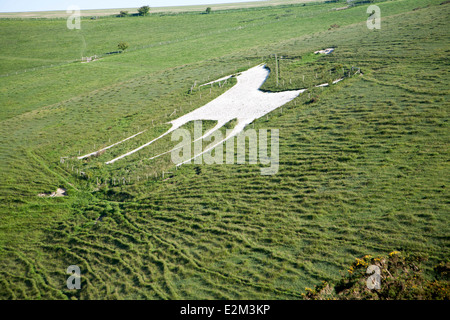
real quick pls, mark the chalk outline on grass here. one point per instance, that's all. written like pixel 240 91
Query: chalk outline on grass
pixel 241 95
pixel 109 147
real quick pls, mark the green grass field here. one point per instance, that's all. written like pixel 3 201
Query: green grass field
pixel 363 164
pixel 154 10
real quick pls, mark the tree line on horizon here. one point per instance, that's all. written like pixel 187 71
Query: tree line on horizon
pixel 145 10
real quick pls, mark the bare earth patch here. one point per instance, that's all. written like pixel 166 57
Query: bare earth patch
pixel 60 192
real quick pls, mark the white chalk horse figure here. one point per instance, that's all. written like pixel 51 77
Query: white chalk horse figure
pixel 244 102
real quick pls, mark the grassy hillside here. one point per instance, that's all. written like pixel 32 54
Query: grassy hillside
pixel 363 164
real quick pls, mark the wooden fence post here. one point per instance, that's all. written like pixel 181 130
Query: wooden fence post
pixel 276 67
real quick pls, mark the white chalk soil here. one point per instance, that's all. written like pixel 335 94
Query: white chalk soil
pixel 218 80
pixel 60 192
pixel 325 51
pixel 109 147
pixel 244 102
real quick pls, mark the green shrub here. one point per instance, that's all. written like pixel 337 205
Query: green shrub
pixel 143 11
pixel 401 278
pixel 122 46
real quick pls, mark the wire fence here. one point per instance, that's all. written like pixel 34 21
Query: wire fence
pixel 71 166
